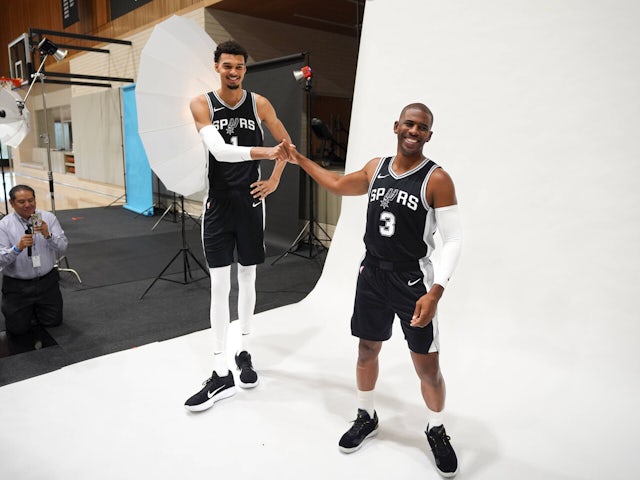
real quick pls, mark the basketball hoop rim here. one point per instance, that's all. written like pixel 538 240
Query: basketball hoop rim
pixel 17 82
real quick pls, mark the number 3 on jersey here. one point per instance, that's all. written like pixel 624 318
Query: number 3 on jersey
pixel 388 227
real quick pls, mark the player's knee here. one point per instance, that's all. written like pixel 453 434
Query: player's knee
pixel 246 273
pixel 368 351
pixel 431 377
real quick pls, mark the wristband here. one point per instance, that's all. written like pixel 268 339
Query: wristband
pixel 16 249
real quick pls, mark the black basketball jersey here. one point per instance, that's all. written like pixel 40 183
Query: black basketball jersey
pixel 239 125
pixel 400 223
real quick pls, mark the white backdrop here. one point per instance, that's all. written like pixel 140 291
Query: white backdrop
pixel 536 109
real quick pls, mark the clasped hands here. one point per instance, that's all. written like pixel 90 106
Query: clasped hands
pixel 283 152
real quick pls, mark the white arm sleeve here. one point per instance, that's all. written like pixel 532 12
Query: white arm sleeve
pixel 450 228
pixel 221 150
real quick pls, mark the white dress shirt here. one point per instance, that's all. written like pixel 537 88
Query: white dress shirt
pixel 18 264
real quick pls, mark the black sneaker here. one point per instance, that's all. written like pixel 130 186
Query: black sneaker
pixel 248 377
pixel 445 457
pixel 363 427
pixel 215 388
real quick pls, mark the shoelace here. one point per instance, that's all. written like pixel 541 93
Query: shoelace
pixel 358 424
pixel 208 380
pixel 441 444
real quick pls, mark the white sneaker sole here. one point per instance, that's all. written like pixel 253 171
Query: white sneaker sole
pixel 241 384
pixel 447 474
pixel 229 392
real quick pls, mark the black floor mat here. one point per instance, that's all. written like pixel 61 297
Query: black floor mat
pixel 118 256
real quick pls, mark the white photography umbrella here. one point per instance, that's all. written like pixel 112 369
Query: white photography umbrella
pixel 176 65
pixel 14 118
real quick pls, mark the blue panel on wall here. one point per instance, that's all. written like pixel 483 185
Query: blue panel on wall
pixel 138 178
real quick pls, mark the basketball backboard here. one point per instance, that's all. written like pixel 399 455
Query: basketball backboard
pixel 20 58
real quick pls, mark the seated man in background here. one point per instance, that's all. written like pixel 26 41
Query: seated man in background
pixel 30 242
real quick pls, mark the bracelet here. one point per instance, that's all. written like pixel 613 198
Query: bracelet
pixel 16 249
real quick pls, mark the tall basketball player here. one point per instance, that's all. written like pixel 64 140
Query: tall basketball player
pixel 234 210
pixel 409 198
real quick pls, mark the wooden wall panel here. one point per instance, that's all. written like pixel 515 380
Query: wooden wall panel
pixel 17 16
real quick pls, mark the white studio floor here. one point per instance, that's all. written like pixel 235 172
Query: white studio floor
pixel 121 416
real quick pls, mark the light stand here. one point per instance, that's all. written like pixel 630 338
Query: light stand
pixel 327 154
pixel 173 208
pixel 307 234
pixel 4 185
pixel 46 49
pixel 186 252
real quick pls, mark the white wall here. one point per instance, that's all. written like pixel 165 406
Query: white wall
pixel 97 133
pixel 536 110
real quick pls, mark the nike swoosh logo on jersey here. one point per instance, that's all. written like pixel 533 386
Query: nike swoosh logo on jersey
pixel 211 394
pixel 383 176
pixel 411 283
pixel 255 204
pixel 217 109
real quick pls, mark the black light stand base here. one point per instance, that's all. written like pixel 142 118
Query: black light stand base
pixel 306 236
pixel 67 268
pixel 185 252
pixel 174 209
pixel 306 240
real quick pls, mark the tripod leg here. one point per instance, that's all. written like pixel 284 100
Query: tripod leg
pixel 185 251
pixel 318 241
pixel 160 274
pixel 194 220
pixel 67 268
pixel 116 200
pixel 291 247
pixel 204 269
pixel 71 270
pixel 186 268
pixel 328 237
pixel 162 217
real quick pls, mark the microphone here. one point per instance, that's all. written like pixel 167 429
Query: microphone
pixel 3 113
pixel 28 231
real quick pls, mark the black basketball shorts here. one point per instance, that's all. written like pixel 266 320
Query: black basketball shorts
pixel 382 294
pixel 233 221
